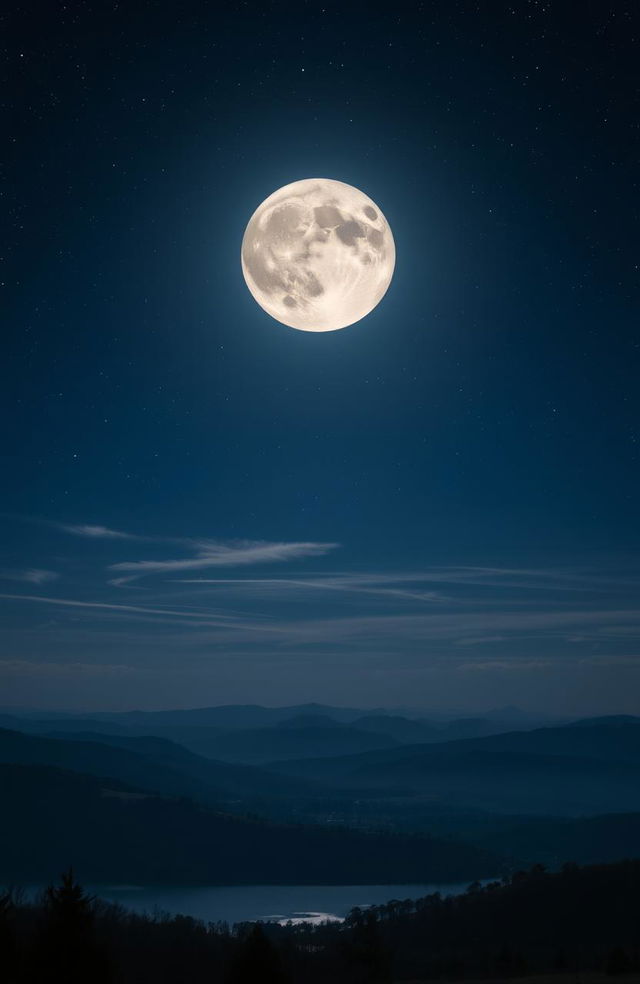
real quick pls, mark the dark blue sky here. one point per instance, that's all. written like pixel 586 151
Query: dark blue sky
pixel 436 506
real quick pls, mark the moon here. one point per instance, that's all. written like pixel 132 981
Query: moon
pixel 318 255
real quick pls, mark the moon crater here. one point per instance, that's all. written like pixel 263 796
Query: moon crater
pixel 318 255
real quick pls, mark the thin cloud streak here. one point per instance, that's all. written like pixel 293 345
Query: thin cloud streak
pixel 212 619
pixel 213 554
pixel 27 668
pixel 449 624
pixel 31 575
pixel 423 586
pixel 450 627
pixel 97 532
pixel 372 584
pixel 207 553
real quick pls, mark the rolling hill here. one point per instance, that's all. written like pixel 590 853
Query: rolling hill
pixel 153 764
pixel 283 741
pixel 552 842
pixel 557 771
pixel 111 831
pixel 255 735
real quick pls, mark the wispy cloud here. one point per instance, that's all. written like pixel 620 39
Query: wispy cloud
pixel 210 617
pixel 431 583
pixel 97 532
pixel 210 553
pixel 30 575
pixel 197 604
pixel 456 626
pixel 433 631
pixel 395 587
pixel 198 618
pixel 506 665
pixel 29 668
pixel 202 553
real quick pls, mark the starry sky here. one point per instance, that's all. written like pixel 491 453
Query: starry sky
pixel 436 507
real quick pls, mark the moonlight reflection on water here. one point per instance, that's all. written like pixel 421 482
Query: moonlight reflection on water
pixel 268 903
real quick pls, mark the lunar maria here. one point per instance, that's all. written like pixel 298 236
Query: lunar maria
pixel 318 255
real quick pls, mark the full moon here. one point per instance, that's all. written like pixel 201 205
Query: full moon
pixel 318 255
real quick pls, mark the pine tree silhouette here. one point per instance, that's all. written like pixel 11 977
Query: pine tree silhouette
pixel 67 951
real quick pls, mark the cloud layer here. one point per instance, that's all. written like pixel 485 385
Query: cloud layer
pixel 206 609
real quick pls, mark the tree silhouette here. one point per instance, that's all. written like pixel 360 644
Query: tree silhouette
pixel 582 920
pixel 257 961
pixel 365 954
pixel 67 951
pixel 8 943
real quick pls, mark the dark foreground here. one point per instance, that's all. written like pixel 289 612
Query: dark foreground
pixel 577 925
pixel 586 977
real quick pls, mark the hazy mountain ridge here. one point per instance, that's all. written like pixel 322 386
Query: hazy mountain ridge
pixel 464 790
pixel 230 716
pixel 610 742
pixel 586 770
pixel 151 763
pixel 255 735
pixel 605 838
pixel 113 831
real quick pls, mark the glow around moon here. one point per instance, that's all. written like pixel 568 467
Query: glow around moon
pixel 318 255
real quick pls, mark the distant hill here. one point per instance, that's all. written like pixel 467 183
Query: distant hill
pixel 408 731
pixel 112 832
pixel 154 764
pixel 610 720
pixel 610 740
pixel 308 721
pixel 301 736
pixel 243 733
pixel 248 716
pixel 478 727
pixel 230 716
pixel 401 729
pixel 590 769
pixel 46 724
pixel 311 731
pixel 567 771
pixel 260 745
pixel 552 842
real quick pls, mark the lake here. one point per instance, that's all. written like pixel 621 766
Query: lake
pixel 274 903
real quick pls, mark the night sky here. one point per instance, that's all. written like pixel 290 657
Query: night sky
pixel 436 507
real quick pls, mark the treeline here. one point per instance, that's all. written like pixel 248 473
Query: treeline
pixel 575 921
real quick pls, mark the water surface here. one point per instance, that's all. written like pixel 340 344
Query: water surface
pixel 239 903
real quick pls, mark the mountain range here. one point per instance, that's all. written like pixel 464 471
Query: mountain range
pixel 552 794
pixel 113 832
pixel 256 735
